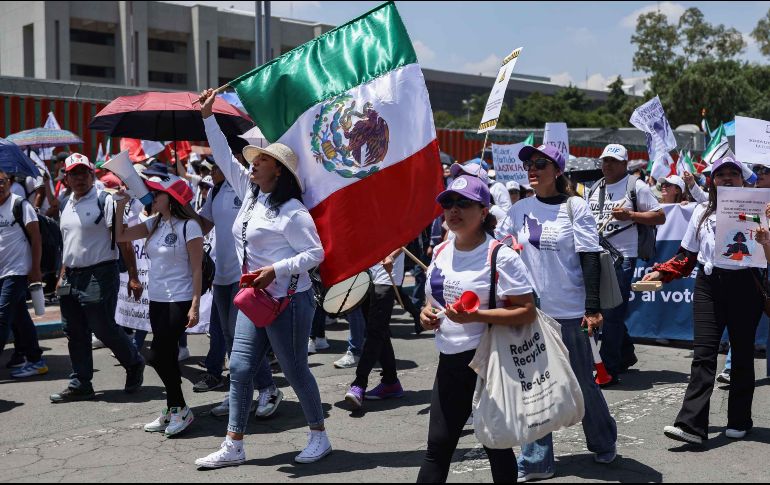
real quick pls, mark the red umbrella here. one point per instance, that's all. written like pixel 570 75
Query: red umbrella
pixel 166 117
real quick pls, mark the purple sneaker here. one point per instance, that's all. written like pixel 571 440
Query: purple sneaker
pixel 385 391
pixel 355 396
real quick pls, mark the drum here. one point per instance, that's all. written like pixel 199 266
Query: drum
pixel 347 295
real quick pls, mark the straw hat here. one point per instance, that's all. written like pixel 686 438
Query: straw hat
pixel 278 151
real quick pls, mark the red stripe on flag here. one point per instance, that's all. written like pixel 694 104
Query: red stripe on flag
pixel 362 223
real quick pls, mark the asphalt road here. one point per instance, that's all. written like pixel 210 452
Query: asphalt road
pixel 103 440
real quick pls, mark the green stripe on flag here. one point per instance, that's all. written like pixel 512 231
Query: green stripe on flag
pixel 279 92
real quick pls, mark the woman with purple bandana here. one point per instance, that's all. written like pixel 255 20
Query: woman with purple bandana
pixel 463 264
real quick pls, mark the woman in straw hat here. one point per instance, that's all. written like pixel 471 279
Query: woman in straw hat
pixel 277 243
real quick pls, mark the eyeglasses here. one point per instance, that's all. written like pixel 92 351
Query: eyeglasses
pixel 538 163
pixel 3 182
pixel 460 203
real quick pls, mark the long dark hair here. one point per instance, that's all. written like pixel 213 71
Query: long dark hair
pixel 286 188
pixel 489 224
pixel 564 186
pixel 712 203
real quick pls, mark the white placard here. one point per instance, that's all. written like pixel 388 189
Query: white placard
pixel 752 140
pixel 496 97
pixel 507 164
pixel 735 244
pixel 651 119
pixel 556 134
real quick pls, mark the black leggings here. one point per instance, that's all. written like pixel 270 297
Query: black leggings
pixel 377 346
pixel 168 321
pixel 450 408
pixel 724 298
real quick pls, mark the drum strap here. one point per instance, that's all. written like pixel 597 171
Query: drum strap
pixel 347 295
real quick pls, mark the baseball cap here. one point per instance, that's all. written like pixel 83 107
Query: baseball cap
pixel 548 151
pixel 724 161
pixel 173 186
pixel 470 187
pixel 470 168
pixel 75 160
pixel 512 185
pixel 207 180
pixel 676 180
pixel 208 165
pixel 616 151
pixel 156 168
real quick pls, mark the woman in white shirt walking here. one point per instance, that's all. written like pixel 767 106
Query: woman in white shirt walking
pixel 561 250
pixel 463 264
pixel 175 248
pixel 278 243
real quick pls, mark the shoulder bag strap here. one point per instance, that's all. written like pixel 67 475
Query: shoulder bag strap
pixel 493 283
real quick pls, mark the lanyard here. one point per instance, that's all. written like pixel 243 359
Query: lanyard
pixel 246 218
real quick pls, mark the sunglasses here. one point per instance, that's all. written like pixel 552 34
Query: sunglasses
pixel 762 171
pixel 538 163
pixel 460 203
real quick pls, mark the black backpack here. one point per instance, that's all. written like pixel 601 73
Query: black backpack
pixel 209 268
pixel 647 234
pixel 50 238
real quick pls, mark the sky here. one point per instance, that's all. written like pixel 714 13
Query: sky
pixel 584 43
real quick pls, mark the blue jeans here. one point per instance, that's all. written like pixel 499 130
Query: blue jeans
pixel 617 347
pixel 357 331
pixel 224 313
pixel 15 316
pixel 598 425
pixel 91 308
pixel 288 335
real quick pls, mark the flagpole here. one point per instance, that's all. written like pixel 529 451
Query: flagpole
pixel 414 258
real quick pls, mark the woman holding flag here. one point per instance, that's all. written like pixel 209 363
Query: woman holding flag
pixel 724 296
pixel 278 244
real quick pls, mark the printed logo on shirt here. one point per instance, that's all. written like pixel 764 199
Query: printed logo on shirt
pixel 170 240
pixel 542 237
pixel 271 213
pixel 609 203
pixel 237 202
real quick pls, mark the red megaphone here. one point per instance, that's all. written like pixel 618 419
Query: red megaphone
pixel 602 376
pixel 467 303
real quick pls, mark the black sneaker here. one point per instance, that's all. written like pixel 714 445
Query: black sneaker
pixel 72 394
pixel 17 361
pixel 627 364
pixel 208 383
pixel 134 378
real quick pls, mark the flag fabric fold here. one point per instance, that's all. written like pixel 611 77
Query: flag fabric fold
pixel 353 105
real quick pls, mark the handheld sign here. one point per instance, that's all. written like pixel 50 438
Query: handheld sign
pixel 752 140
pixel 495 100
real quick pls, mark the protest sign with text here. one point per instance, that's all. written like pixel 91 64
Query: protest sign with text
pixel 752 140
pixel 496 97
pixel 740 211
pixel 651 119
pixel 508 167
pixel 556 134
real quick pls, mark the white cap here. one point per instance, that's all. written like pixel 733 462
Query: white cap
pixel 512 185
pixel 616 151
pixel 76 159
pixel 491 173
pixel 471 169
pixel 526 186
pixel 675 180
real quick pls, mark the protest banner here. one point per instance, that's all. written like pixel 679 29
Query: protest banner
pixel 497 96
pixel 508 167
pixel 752 140
pixel 651 119
pixel 740 211
pixel 556 134
pixel 667 314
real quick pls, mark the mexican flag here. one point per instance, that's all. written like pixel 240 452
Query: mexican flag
pixel 353 105
pixel 685 163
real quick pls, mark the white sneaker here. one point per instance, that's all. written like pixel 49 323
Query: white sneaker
pixel 311 347
pixel 184 354
pixel 347 361
pixel 160 424
pixel 735 434
pixel 179 420
pixel 268 403
pixel 528 477
pixel 321 343
pixel 230 454
pixel 317 447
pixel 224 408
pixel 681 435
pixel 96 343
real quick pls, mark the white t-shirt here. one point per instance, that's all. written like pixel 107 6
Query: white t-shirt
pixel 32 184
pixel 702 239
pixel 500 196
pixel 222 210
pixel 87 243
pixel 627 241
pixel 170 270
pixel 380 276
pixel 18 189
pixel 15 251
pixel 453 272
pixel 551 244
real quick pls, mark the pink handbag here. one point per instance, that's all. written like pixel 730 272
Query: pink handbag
pixel 261 307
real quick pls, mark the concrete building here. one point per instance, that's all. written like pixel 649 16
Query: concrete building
pixel 132 43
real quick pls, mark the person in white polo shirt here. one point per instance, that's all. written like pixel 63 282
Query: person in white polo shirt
pixel 20 250
pixel 629 209
pixel 175 248
pixel 89 282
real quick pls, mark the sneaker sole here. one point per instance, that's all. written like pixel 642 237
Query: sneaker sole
pixel 39 372
pixel 677 437
pixel 340 366
pixel 221 384
pixel 161 430
pixel 534 477
pixel 275 408
pixel 723 380
pixel 187 425
pixel 381 398
pixel 212 466
pixel 305 461
pixel 353 402
pixel 84 398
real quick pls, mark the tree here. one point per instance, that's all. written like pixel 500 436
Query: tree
pixel 761 34
pixel 617 97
